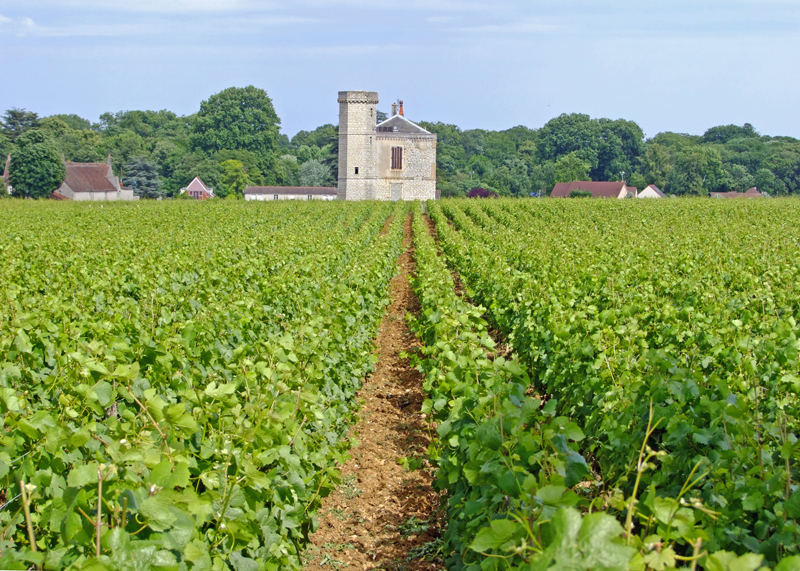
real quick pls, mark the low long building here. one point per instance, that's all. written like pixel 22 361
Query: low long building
pixel 290 193
pixel 597 188
pixel 752 192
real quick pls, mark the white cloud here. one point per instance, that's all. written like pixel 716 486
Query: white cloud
pixel 26 26
pixel 218 6
pixel 146 6
pixel 525 26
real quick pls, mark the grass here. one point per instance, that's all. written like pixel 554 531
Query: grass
pixel 349 488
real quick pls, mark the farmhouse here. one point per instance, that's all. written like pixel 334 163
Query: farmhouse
pixel 391 160
pixel 598 189
pixel 289 193
pixel 752 192
pixel 652 191
pixel 92 181
pixel 87 181
pixel 198 190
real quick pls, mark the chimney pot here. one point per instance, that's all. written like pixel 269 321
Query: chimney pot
pixel 394 109
pixel 401 108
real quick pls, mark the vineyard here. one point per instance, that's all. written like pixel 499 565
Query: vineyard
pixel 661 341
pixel 176 380
pixel 611 384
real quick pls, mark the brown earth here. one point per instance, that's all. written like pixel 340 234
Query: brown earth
pixel 383 515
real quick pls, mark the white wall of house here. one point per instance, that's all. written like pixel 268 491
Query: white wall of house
pixel 648 193
pixel 289 197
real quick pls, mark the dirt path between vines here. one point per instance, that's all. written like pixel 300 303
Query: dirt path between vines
pixel 383 516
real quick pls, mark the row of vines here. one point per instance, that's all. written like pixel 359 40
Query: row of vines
pixel 176 380
pixel 648 414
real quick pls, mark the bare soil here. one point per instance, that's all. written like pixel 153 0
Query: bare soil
pixel 385 515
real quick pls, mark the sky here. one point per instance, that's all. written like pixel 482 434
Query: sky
pixel 681 65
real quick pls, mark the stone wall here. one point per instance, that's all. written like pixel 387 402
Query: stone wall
pixel 418 175
pixel 357 120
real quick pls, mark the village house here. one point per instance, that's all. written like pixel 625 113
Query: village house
pixel 598 189
pixel 391 160
pixel 198 190
pixel 290 193
pixel 752 192
pixel 87 181
pixel 651 191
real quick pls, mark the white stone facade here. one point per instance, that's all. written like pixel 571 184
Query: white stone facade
pixel 122 194
pixel 366 167
pixel 357 119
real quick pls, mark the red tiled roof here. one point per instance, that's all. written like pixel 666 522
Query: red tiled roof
pixel 56 196
pixel 318 190
pixel 88 177
pixel 597 188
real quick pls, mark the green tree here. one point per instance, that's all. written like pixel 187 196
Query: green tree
pixel 37 168
pixel 5 148
pixel 528 153
pixel 621 148
pixel 736 178
pixel 657 164
pixel 55 127
pixel 141 175
pixel 725 133
pixel 785 163
pixel 543 178
pixel 238 119
pixel 512 177
pixel 249 161
pixel 16 121
pixel 571 167
pixel 73 121
pixel 765 181
pixel 234 179
pixel 315 173
pixel 287 171
pixel 480 166
pixel 697 171
pixel 123 146
pixel 571 133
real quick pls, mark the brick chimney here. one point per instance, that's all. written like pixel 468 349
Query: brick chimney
pixel 401 107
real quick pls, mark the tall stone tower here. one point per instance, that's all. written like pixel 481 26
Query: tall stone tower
pixel 357 148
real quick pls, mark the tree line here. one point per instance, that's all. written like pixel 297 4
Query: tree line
pixel 234 140
pixel 521 161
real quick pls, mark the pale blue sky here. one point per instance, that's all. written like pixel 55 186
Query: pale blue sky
pixel 683 65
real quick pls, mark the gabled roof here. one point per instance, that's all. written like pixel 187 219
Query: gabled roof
pixel 399 124
pixel 89 177
pixel 597 188
pixel 315 190
pixel 197 184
